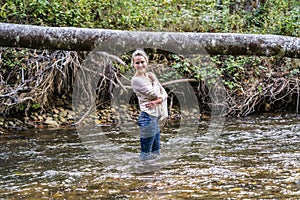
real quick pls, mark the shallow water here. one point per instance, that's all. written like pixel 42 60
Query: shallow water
pixel 256 157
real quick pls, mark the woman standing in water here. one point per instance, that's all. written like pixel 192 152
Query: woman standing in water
pixel 153 105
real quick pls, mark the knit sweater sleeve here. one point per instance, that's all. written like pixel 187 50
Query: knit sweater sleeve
pixel 143 87
pixel 163 93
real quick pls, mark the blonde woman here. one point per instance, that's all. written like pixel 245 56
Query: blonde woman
pixel 152 99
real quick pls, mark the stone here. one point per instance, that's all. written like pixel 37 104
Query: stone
pixel 51 123
pixel 40 117
pixel 62 119
pixel 55 111
pixel 93 116
pixel 29 124
pixel 48 118
pixel 18 122
pixel 70 117
pixel 11 123
pixel 71 112
pixel 34 118
pixel 63 113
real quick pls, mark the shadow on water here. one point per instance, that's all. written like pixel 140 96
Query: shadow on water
pixel 254 157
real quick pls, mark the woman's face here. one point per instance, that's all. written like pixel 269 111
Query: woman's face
pixel 140 64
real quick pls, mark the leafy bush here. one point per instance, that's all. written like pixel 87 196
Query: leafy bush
pixel 273 17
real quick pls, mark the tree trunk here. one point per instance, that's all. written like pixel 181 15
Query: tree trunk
pixel 116 41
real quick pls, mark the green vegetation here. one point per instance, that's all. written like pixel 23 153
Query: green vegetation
pixel 271 17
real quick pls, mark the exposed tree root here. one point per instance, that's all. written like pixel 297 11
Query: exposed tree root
pixel 271 92
pixel 44 74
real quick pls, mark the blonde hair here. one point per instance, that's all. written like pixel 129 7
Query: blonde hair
pixel 139 52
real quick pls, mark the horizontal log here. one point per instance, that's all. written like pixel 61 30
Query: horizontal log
pixel 118 41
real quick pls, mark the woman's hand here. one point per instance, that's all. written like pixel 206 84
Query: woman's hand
pixel 151 76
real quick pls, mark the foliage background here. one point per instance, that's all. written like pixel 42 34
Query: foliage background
pixel 240 16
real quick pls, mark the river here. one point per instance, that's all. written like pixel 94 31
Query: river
pixel 256 157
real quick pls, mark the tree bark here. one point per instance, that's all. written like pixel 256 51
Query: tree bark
pixel 117 41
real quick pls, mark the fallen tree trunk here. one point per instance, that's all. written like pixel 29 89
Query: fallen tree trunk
pixel 116 41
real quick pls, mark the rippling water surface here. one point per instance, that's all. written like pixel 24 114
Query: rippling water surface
pixel 257 157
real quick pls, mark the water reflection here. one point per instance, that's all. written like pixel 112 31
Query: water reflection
pixel 119 146
pixel 254 157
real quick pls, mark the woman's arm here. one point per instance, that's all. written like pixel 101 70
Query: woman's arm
pixel 163 93
pixel 144 88
pixel 154 103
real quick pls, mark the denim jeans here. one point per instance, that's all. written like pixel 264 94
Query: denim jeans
pixel 149 136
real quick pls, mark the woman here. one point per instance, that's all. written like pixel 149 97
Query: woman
pixel 153 105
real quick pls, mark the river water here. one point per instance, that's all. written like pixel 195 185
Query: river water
pixel 256 157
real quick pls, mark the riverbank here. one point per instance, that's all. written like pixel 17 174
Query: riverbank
pixel 42 96
pixel 61 115
pixel 64 117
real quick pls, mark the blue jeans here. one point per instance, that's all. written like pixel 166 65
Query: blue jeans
pixel 149 136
